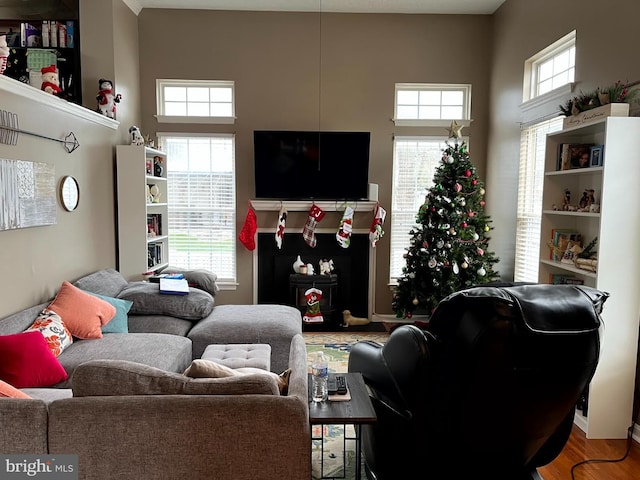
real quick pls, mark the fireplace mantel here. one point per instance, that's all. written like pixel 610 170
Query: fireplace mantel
pixel 305 205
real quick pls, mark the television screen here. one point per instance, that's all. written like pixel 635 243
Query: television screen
pixel 299 165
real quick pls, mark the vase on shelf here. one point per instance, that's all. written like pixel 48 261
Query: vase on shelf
pixel 297 264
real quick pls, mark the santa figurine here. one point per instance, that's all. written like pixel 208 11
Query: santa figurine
pixel 107 99
pixel 50 82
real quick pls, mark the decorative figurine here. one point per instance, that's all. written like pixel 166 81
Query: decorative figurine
pixel 107 100
pixel 50 81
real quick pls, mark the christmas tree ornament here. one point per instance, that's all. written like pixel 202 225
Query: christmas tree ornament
pixel 282 221
pixel 482 203
pixel 480 251
pixel 376 232
pixel 433 262
pixel 455 268
pixel 316 214
pixel 440 244
pixel 343 236
pixel 415 301
pixel 474 182
pixel 455 130
pixel 464 265
pixel 248 233
pixel 475 237
pixel 467 173
pixel 482 191
pixel 313 313
pixel 482 272
pixel 457 187
pixel 486 228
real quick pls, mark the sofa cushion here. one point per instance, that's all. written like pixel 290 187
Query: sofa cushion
pixel 9 391
pixel 119 377
pixel 200 368
pixel 27 361
pixel 147 300
pixel 159 324
pixel 166 352
pixel 54 331
pixel 107 282
pixel 82 313
pixel 120 322
pixel 20 321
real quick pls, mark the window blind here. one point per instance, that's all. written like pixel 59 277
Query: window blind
pixel 529 208
pixel 201 203
pixel 415 160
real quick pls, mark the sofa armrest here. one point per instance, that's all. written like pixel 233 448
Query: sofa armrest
pixel 23 426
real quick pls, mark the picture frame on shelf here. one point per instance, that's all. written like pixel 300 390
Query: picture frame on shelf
pixel 580 155
pixel 596 158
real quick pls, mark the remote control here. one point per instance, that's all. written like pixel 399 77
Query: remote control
pixel 341 380
pixel 332 385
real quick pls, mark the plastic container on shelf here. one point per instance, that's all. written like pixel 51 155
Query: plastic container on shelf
pixel 319 378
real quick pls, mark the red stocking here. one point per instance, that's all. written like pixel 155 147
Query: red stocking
pixel 248 233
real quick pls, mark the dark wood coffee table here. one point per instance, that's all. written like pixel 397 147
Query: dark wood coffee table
pixel 357 412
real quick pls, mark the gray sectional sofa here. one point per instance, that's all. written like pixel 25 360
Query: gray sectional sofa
pixel 131 412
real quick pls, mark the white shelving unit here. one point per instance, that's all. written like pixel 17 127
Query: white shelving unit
pixel 617 226
pixel 140 248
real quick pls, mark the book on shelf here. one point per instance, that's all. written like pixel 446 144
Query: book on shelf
pixel 563 279
pixel 154 254
pixel 154 225
pixel 174 286
pixel 561 240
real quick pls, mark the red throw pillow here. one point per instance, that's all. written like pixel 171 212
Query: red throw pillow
pixel 9 391
pixel 83 314
pixel 27 361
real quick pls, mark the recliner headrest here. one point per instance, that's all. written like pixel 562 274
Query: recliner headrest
pixel 548 309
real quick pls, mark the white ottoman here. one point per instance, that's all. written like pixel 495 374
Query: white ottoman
pixel 239 355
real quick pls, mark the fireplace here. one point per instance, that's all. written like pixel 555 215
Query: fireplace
pixel 351 266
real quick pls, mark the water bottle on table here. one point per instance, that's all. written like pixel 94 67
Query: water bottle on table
pixel 319 378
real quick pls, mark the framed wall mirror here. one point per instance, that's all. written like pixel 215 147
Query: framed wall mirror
pixel 69 193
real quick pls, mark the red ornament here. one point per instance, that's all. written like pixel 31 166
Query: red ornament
pixel 482 203
pixel 474 182
pixel 464 225
pixel 471 214
pixel 433 209
pixel 409 315
pixel 467 173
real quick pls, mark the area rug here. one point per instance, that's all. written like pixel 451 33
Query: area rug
pixel 332 454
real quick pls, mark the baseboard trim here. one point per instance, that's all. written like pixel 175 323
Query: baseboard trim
pixel 390 318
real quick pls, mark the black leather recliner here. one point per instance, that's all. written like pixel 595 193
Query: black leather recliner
pixel 487 390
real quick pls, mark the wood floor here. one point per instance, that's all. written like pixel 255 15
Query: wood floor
pixel 579 448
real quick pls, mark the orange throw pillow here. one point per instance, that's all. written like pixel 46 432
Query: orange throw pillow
pixel 9 391
pixel 82 313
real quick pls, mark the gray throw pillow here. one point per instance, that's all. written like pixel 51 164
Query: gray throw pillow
pixel 147 300
pixel 107 282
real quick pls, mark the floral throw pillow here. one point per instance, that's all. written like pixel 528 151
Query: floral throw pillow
pixel 54 331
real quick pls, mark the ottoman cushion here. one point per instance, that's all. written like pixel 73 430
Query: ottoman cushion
pixel 240 355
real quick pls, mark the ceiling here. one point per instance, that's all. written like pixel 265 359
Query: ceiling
pixel 478 7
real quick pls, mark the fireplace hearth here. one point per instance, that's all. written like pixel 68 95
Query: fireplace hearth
pixel 351 266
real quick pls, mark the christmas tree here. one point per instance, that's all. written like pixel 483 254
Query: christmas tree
pixel 448 248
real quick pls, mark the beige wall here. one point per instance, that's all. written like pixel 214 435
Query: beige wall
pixel 606 49
pixel 606 46
pixel 308 71
pixel 34 261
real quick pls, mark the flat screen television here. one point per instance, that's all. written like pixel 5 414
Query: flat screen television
pixel 301 165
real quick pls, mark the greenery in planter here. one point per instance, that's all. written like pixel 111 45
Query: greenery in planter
pixel 616 93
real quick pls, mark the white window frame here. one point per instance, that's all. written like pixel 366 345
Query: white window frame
pixel 225 282
pixel 401 208
pixel 532 65
pixel 464 120
pixel 162 117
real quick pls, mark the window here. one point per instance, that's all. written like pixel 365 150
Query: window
pixel 551 68
pixel 529 209
pixel 202 198
pixel 425 104
pixel 195 101
pixel 415 160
